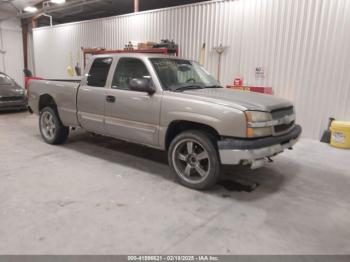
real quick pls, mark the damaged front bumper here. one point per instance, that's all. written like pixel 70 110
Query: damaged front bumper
pixel 254 151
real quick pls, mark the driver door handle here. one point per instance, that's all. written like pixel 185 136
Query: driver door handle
pixel 110 99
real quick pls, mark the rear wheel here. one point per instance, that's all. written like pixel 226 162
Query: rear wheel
pixel 194 159
pixel 51 127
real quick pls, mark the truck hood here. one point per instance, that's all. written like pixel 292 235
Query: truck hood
pixel 241 100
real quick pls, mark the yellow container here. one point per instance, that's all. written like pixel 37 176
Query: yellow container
pixel 340 134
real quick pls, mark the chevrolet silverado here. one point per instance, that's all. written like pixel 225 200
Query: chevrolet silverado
pixel 171 104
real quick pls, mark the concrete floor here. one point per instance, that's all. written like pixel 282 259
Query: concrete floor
pixel 97 195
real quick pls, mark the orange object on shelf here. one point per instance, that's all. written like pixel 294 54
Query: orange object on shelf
pixel 256 89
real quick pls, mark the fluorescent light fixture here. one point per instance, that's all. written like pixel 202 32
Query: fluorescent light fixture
pixel 30 9
pixel 58 1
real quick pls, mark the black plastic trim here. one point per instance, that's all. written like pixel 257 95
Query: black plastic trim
pixel 241 144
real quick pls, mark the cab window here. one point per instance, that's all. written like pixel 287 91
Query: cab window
pixel 127 69
pixel 99 72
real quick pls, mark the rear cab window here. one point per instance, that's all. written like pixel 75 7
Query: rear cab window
pixel 99 71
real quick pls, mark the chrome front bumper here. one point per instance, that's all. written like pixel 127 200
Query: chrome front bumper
pixel 254 152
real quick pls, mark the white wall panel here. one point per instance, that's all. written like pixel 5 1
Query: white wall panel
pixel 303 45
pixel 11 62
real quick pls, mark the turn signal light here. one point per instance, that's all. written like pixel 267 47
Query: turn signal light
pixel 250 132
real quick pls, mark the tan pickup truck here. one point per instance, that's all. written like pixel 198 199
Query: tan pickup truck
pixel 171 104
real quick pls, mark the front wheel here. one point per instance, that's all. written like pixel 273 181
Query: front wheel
pixel 51 127
pixel 193 158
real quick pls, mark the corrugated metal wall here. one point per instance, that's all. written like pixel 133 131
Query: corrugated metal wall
pixel 11 61
pixel 302 45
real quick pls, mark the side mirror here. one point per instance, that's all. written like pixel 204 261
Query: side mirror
pixel 141 85
pixel 184 68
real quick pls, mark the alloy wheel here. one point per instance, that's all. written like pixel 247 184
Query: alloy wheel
pixel 191 161
pixel 48 126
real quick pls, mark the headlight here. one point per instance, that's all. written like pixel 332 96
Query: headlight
pixel 253 129
pixel 257 116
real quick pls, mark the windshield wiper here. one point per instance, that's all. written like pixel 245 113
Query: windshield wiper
pixel 214 86
pixel 181 88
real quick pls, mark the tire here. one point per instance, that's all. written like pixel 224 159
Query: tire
pixel 51 128
pixel 196 168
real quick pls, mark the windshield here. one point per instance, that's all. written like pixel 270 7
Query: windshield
pixel 179 74
pixel 5 80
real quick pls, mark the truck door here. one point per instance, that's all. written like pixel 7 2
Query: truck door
pixel 92 96
pixel 132 115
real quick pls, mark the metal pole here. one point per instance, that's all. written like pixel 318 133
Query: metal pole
pixel 3 52
pixel 219 66
pixel 49 16
pixel 136 6
pixel 25 43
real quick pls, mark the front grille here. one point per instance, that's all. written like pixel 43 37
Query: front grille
pixel 283 127
pixel 279 113
pixel 11 98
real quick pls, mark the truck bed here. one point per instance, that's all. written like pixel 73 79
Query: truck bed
pixel 63 92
